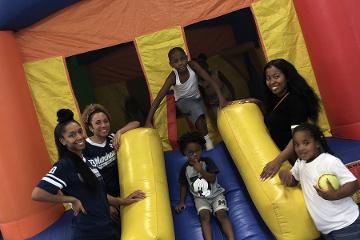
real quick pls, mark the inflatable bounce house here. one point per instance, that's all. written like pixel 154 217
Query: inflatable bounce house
pixel 66 54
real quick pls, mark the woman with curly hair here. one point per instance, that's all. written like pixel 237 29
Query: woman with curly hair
pixel 101 147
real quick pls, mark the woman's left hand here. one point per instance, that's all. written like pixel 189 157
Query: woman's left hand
pixel 133 197
pixel 270 170
pixel 329 194
pixel 77 207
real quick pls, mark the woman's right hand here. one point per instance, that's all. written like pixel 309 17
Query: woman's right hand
pixel 114 214
pixel 270 170
pixel 222 102
pixel 77 207
pixel 179 207
pixel 250 100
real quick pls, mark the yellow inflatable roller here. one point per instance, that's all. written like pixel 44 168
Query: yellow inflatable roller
pixel 282 208
pixel 142 167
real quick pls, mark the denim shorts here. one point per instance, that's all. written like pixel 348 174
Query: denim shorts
pixel 193 107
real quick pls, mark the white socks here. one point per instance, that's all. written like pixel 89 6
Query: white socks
pixel 209 145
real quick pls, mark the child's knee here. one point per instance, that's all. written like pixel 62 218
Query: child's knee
pixel 221 215
pixel 205 215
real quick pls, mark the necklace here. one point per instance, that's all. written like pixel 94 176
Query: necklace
pixel 280 101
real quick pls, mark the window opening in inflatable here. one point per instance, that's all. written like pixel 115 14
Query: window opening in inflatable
pixel 228 47
pixel 231 45
pixel 112 77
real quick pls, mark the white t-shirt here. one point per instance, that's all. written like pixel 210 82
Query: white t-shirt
pixel 327 215
pixel 188 89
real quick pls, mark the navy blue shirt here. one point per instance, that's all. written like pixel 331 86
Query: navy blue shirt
pixel 96 223
pixel 103 157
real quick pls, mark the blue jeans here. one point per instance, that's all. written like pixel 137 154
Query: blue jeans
pixel 350 232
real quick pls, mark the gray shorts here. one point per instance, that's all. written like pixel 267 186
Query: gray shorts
pixel 194 107
pixel 212 204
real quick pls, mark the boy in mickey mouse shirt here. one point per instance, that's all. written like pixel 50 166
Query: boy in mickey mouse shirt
pixel 199 174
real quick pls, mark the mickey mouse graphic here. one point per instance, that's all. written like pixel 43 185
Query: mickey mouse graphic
pixel 201 187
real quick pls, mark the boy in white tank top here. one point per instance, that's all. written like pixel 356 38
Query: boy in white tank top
pixel 186 91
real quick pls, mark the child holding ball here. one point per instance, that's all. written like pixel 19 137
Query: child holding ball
pixel 334 213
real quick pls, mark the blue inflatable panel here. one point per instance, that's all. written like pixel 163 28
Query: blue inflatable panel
pixel 18 14
pixel 347 150
pixel 61 229
pixel 246 221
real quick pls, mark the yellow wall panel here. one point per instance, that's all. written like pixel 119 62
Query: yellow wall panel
pixel 113 97
pixel 51 90
pixel 237 79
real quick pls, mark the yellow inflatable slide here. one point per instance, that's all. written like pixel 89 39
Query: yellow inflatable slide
pixel 251 147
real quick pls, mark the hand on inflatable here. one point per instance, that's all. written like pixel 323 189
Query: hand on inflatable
pixel 329 194
pixel 77 207
pixel 270 170
pixel 249 100
pixel 286 178
pixel 116 141
pixel 148 124
pixel 244 100
pixel 179 207
pixel 134 197
pixel 222 102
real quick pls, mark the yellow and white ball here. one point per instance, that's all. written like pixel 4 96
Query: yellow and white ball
pixel 323 179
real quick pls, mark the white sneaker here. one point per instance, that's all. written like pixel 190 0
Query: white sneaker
pixel 209 145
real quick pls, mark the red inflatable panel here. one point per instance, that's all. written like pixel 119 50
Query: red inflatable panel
pixel 23 156
pixel 332 33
